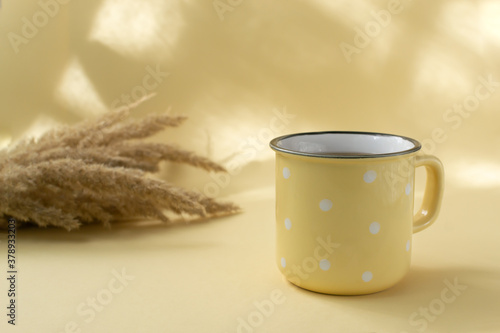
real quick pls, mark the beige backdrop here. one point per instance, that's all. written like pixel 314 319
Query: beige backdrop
pixel 244 72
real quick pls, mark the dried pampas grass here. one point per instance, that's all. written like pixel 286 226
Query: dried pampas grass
pixel 96 171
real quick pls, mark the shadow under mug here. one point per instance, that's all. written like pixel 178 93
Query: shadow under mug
pixel 344 208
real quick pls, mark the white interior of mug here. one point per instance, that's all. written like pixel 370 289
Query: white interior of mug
pixel 345 144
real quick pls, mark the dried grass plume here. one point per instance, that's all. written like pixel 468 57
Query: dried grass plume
pixel 96 171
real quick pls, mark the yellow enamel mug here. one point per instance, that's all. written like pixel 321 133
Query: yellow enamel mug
pixel 344 208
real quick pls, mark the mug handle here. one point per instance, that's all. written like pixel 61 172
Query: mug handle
pixel 433 195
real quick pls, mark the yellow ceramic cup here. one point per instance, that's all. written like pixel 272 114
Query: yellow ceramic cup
pixel 344 208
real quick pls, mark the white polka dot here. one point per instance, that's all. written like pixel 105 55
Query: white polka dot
pixel 374 227
pixel 283 262
pixel 369 176
pixel 325 205
pixel 286 172
pixel 408 189
pixel 324 264
pixel 288 224
pixel 367 276
pixel 408 245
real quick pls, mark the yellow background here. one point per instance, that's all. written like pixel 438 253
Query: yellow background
pixel 234 69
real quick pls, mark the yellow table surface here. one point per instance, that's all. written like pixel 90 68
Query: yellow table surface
pixel 244 72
